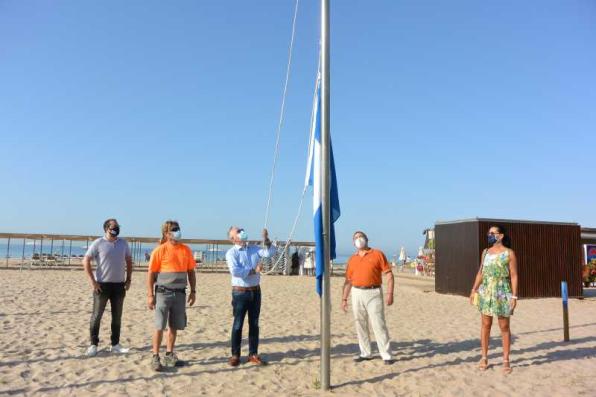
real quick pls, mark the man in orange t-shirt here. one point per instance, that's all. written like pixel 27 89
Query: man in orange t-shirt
pixel 171 264
pixel 364 274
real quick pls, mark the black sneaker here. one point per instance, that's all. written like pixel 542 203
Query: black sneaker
pixel 389 362
pixel 359 359
pixel 156 363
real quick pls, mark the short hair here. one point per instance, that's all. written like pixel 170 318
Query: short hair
pixel 360 232
pixel 107 223
pixel 232 228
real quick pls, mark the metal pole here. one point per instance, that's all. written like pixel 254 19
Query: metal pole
pixel 7 251
pixel 564 296
pixel 23 254
pixel 69 251
pixel 325 190
pixel 133 250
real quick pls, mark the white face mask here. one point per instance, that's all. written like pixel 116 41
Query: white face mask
pixel 360 243
pixel 176 236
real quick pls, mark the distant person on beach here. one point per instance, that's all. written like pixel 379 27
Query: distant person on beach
pixel 309 263
pixel 495 291
pixel 171 266
pixel 243 263
pixel 109 282
pixel 364 275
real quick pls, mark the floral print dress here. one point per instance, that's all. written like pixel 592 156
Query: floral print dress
pixel 495 291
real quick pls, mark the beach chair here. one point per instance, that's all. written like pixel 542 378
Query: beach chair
pixel 35 260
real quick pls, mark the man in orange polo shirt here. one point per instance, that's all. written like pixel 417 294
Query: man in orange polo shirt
pixel 171 264
pixel 364 275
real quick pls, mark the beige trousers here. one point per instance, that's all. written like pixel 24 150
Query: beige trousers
pixel 368 306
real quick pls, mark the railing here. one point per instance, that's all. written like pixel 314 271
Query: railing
pixel 58 250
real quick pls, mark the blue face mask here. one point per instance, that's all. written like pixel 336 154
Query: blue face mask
pixel 492 239
pixel 242 235
pixel 177 235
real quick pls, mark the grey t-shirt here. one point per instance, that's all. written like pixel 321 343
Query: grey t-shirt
pixel 110 259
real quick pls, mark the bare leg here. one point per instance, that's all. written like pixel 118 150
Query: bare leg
pixel 487 322
pixel 171 340
pixel 157 337
pixel 506 335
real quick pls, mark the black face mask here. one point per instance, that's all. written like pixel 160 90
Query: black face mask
pixel 115 231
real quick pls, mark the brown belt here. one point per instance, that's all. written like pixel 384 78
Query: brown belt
pixel 367 287
pixel 244 289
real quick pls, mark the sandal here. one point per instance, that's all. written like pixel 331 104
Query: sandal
pixel 506 368
pixel 483 365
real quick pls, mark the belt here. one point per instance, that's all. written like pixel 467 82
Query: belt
pixel 163 290
pixel 244 289
pixel 367 287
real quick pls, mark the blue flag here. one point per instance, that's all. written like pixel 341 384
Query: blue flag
pixel 314 179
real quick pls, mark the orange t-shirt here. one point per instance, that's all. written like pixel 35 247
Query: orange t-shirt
pixel 172 262
pixel 171 258
pixel 366 270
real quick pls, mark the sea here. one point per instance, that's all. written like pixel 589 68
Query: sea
pixel 17 250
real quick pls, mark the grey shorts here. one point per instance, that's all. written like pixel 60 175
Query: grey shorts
pixel 170 309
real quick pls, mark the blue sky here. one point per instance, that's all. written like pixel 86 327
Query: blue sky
pixel 147 110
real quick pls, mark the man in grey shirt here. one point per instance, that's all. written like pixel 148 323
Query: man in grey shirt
pixel 111 280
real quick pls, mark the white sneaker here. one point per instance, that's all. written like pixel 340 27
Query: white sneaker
pixel 92 351
pixel 119 349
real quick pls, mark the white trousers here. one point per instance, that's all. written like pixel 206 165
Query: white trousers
pixel 368 306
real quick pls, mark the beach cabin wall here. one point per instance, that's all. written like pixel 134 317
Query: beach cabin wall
pixel 547 253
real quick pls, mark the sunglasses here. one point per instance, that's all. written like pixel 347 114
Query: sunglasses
pixel 175 229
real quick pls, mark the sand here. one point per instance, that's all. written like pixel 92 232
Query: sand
pixel 44 317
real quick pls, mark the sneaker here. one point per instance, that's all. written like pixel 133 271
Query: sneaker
pixel 171 360
pixel 155 363
pixel 119 349
pixel 359 359
pixel 389 361
pixel 92 351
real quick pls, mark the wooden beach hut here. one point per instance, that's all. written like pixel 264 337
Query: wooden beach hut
pixel 547 252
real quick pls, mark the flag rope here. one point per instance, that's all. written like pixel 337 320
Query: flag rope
pixel 293 229
pixel 281 116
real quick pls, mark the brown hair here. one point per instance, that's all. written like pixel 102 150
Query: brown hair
pixel 166 228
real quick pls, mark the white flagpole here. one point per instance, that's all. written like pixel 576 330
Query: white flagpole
pixel 325 198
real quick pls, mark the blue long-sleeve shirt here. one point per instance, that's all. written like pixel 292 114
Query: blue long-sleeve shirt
pixel 242 260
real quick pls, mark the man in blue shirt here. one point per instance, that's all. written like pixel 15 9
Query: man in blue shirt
pixel 243 263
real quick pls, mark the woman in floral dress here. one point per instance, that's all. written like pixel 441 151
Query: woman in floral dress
pixel 496 285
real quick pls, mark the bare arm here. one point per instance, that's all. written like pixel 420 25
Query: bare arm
pixel 514 279
pixel 89 271
pixel 151 277
pixel 513 272
pixel 345 293
pixel 478 279
pixel 128 272
pixel 192 280
pixel 390 287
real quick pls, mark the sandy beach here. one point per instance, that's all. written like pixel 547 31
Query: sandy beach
pixel 44 316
